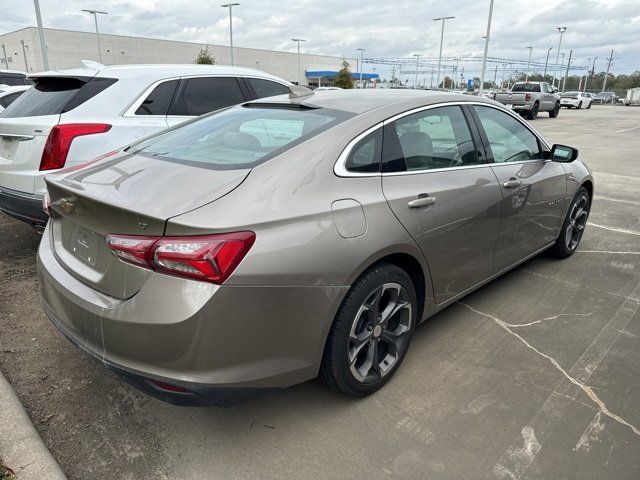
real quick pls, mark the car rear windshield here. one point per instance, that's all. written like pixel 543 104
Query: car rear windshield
pixel 240 137
pixel 526 87
pixel 55 95
pixel 570 94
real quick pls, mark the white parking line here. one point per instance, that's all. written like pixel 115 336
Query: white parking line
pixel 613 229
pixel 627 129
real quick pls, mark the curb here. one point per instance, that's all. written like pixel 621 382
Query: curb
pixel 21 448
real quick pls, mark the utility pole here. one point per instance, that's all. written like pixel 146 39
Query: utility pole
pixel 417 55
pixel 546 63
pixel 362 50
pixel 230 7
pixel 95 19
pixel 561 31
pixel 604 83
pixel 298 40
pixel 486 50
pixel 45 57
pixel 442 19
pixel 24 53
pixel 495 78
pixel 593 70
pixel 566 74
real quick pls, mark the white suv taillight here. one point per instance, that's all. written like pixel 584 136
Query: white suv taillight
pixel 209 258
pixel 59 141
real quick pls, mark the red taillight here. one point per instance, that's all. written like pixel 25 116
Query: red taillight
pixel 527 97
pixel 210 258
pixel 59 141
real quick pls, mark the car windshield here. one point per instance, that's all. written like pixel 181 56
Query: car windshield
pixel 240 137
pixel 526 87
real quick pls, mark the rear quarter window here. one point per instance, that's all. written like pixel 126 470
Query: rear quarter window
pixel 56 95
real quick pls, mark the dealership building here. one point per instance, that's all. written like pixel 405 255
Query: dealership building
pixel 20 50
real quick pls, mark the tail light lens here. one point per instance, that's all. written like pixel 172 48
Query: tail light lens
pixel 59 141
pixel 209 258
pixel 527 97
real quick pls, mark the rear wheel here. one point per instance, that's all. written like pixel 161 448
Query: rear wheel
pixel 579 105
pixel 573 226
pixel 556 110
pixel 371 332
pixel 533 113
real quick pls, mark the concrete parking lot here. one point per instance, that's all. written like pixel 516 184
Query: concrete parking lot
pixel 535 376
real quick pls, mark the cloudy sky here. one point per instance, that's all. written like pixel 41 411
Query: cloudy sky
pixel 387 29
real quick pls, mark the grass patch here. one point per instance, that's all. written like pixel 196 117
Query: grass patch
pixel 5 472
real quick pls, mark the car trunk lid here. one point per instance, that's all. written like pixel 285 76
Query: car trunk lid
pixel 126 194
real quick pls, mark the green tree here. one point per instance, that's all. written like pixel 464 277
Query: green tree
pixel 343 78
pixel 205 56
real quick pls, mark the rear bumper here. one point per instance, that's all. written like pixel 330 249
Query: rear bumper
pixel 224 344
pixel 569 102
pixel 23 206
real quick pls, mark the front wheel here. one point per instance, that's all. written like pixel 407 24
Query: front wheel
pixel 556 110
pixel 579 105
pixel 589 106
pixel 573 226
pixel 371 332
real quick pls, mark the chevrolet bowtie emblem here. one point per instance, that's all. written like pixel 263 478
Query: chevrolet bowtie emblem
pixel 66 205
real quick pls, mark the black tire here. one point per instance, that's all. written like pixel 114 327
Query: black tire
pixel 336 369
pixel 564 248
pixel 556 110
pixel 533 113
pixel 579 105
pixel 589 106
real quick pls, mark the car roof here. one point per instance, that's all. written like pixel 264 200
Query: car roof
pixel 12 89
pixel 13 72
pixel 91 69
pixel 363 100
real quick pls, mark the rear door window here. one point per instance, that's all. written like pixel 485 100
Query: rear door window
pixel 56 95
pixel 8 99
pixel 197 96
pixel 158 101
pixel 266 88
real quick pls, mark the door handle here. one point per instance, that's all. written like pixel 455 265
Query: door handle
pixel 423 200
pixel 512 183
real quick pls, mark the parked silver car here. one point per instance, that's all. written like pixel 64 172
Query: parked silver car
pixel 257 247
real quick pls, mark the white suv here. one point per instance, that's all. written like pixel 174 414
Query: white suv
pixel 72 116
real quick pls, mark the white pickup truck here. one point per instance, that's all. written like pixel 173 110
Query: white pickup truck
pixel 529 98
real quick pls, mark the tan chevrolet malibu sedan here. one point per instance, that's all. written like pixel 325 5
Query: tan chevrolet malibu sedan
pixel 298 236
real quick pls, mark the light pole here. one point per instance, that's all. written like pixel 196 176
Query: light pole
pixel 24 53
pixel 561 31
pixel 417 55
pixel 361 50
pixel 586 74
pixel 440 19
pixel 546 63
pixel 526 78
pixel 95 19
pixel 604 83
pixel 45 57
pixel 486 49
pixel 298 40
pixel 230 7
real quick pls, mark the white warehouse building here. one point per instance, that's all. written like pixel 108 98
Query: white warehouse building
pixel 20 50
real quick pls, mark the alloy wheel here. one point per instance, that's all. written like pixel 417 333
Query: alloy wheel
pixel 379 333
pixel 577 222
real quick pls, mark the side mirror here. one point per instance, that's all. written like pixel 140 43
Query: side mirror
pixel 563 153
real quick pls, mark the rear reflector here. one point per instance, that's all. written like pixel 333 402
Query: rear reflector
pixel 209 258
pixel 168 387
pixel 59 141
